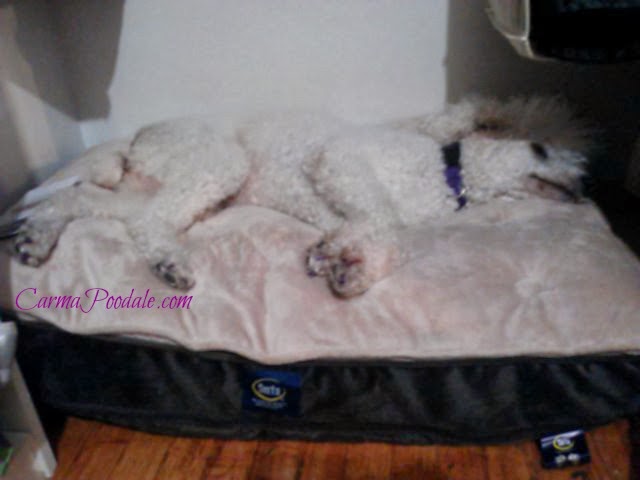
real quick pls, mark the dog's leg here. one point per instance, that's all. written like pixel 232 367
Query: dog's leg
pixel 37 238
pixel 196 171
pixel 158 229
pixel 157 239
pixel 46 221
pixel 344 179
pixel 101 166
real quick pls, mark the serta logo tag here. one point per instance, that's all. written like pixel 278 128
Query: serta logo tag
pixel 564 449
pixel 268 389
pixel 563 443
pixel 275 392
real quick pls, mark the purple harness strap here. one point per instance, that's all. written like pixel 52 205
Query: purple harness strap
pixel 453 172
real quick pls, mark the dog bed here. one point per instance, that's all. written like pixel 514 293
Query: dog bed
pixel 516 318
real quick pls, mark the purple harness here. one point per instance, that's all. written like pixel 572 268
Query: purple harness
pixel 453 172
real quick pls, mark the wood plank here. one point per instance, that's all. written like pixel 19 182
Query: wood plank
pixel 188 458
pixel 279 459
pixel 72 443
pixel 100 453
pixel 233 460
pixel 93 451
pixel 610 452
pixel 509 461
pixel 415 462
pixel 142 457
pixel 368 460
pixel 463 463
pixel 323 461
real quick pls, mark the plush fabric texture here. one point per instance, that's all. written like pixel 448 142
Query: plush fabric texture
pixel 526 277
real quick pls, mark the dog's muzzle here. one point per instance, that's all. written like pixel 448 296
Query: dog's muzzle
pixel 554 190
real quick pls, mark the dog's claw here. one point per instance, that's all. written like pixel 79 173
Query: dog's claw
pixel 174 275
pixel 32 246
pixel 347 276
pixel 319 260
pixel 26 259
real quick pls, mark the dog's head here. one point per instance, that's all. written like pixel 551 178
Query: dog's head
pixel 554 173
pixel 520 168
pixel 529 146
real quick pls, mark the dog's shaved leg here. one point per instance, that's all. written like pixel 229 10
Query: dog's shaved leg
pixel 157 240
pixel 170 213
pixel 196 170
pixel 46 221
pixel 35 241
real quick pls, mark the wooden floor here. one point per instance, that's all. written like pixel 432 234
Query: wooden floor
pixel 92 451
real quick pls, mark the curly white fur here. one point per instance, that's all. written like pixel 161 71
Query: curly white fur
pixel 369 188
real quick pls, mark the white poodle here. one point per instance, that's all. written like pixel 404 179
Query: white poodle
pixel 368 188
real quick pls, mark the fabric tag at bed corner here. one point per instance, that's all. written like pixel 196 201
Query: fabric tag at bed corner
pixel 564 449
pixel 273 391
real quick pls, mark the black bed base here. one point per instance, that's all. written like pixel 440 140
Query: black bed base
pixel 169 390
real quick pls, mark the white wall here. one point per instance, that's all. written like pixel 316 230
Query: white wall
pixel 106 68
pixel 37 129
pixel 362 59
pixel 366 60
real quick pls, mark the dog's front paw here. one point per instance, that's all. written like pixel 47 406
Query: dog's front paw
pixel 34 242
pixel 359 266
pixel 349 275
pixel 319 259
pixel 174 273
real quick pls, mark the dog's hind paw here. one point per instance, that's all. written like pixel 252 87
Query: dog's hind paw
pixel 34 242
pixel 348 275
pixel 319 259
pixel 174 274
pixel 359 266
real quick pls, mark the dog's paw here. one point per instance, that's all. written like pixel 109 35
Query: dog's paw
pixel 174 273
pixel 319 259
pixel 34 242
pixel 348 275
pixel 359 266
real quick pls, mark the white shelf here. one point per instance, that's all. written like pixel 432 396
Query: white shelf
pixel 33 458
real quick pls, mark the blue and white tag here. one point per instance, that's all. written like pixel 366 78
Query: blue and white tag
pixel 564 449
pixel 272 391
